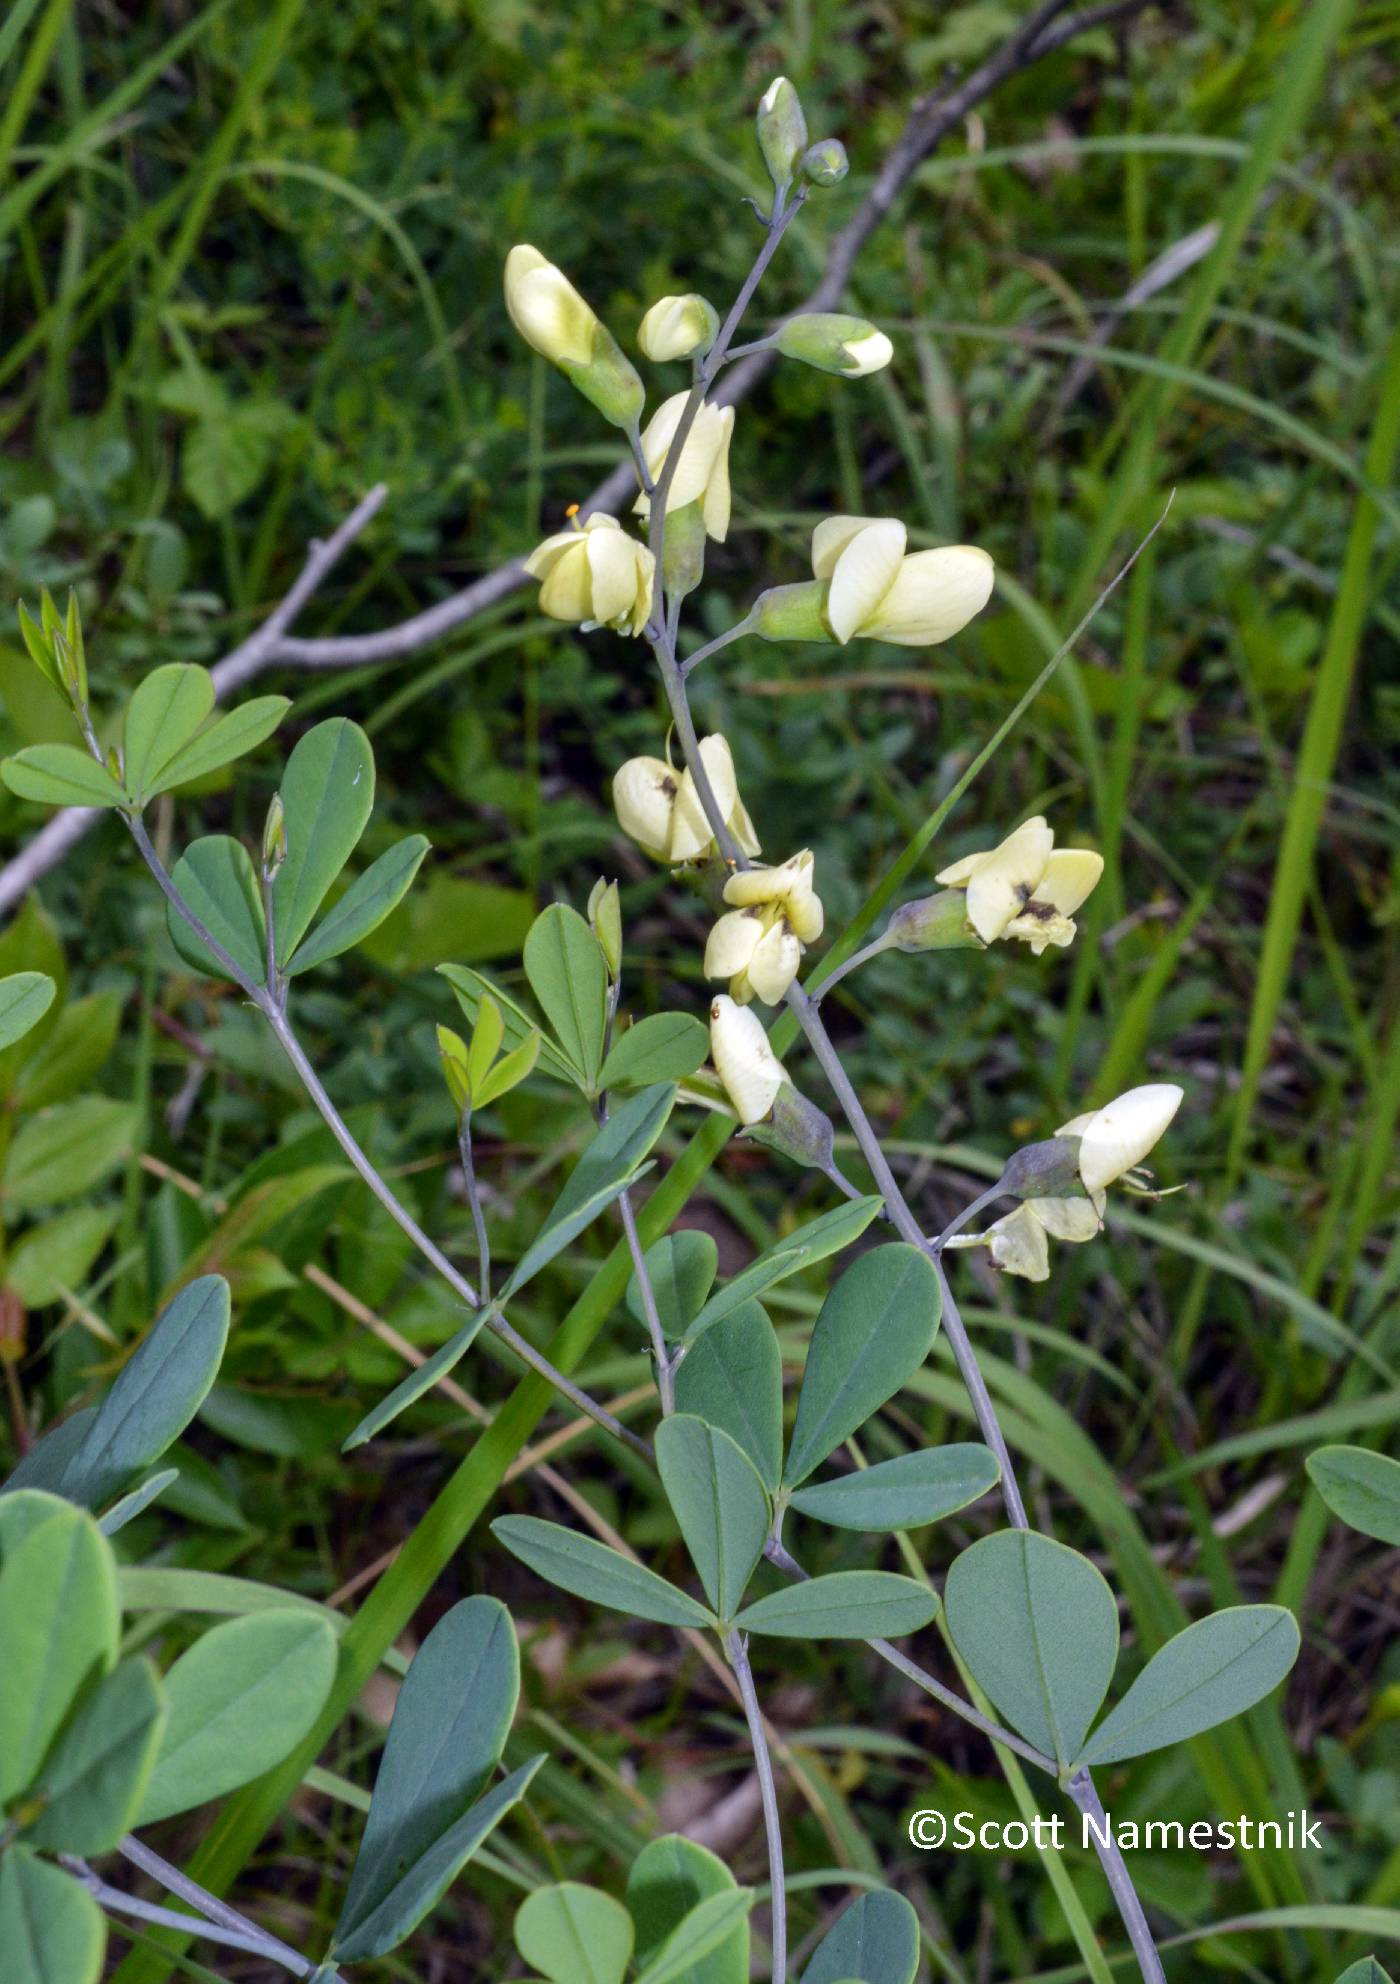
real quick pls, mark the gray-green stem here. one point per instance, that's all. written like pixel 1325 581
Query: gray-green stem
pixel 737 1651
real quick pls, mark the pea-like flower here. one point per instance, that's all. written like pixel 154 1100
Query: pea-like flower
pixel 555 321
pixel 1114 1140
pixel 661 808
pixel 596 576
pixel 1026 887
pixel 676 326
pixel 1112 1143
pixel 867 584
pixel 751 1072
pixel 702 474
pixel 758 945
pixel 846 345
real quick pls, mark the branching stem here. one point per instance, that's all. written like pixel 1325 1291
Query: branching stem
pixel 738 1653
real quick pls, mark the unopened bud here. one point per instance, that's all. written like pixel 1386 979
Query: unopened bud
pixel 605 919
pixel 792 613
pixel 683 550
pixel 934 923
pixel 678 326
pixel 1045 1170
pixel 799 1130
pixel 782 131
pixel 834 343
pixel 274 842
pixel 825 163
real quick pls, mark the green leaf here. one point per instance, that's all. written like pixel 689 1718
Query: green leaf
pixel 508 1072
pixel 65 1150
pixel 51 1929
pixel 720 1503
pixel 58 1255
pixel 1368 1971
pixel 591 1570
pixel 418 1381
pixel 141 1497
pixel 227 738
pixel 156 1394
pixel 61 775
pixel 328 793
pixel 905 1492
pixel 574 1934
pixel 72 1050
pixel 215 877
pixel 706 1947
pixel 681 1268
pixel 450 1724
pixel 240 1699
pixel 43 1466
pixel 92 1779
pixel 1361 1487
pixel 802 1249
pixel 664 1047
pixel 733 1378
pixel 844 1605
pixel 1214 1670
pixel 58 1624
pixel 668 1880
pixel 569 977
pixel 874 1941
pixel 608 1165
pixel 1038 1626
pixel 25 996
pixel 161 718
pixel 368 900
pixel 472 987
pixel 875 1329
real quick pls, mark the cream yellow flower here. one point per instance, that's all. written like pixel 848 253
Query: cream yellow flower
pixel 1026 887
pixel 1114 1140
pixel 596 576
pixel 555 321
pixel 1019 1242
pixel 751 1072
pixel 702 474
pixel 758 945
pixel 676 326
pixel 661 808
pixel 879 592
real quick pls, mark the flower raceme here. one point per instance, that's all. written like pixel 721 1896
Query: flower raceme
pixel 595 576
pixel 758 945
pixel 750 1071
pixel 1026 888
pixel 1112 1142
pixel 555 321
pixel 702 473
pixel 661 810
pixel 866 583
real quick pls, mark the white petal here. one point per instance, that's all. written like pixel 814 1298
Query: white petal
pixel 716 505
pixel 1071 875
pixel 732 942
pixel 1075 1220
pixel 1040 926
pixel 546 556
pixel 961 872
pixel 691 833
pixel 934 596
pixel 742 828
pixel 614 574
pixel 868 354
pixel 751 1072
pixel 546 309
pixel 862 576
pixel 830 539
pixel 567 592
pixel 1077 1125
pixel 644 796
pixel 774 963
pixel 750 887
pixel 1004 881
pixel 1120 1135
pixel 1018 1245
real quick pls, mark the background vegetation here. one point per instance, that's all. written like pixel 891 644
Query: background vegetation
pixel 251 265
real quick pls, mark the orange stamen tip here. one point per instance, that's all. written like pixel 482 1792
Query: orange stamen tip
pixel 573 510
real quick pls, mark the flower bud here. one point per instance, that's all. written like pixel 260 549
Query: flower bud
pixel 782 131
pixel 832 343
pixel 677 326
pixel 751 1072
pixel 792 613
pixel 605 921
pixel 933 923
pixel 825 163
pixel 555 321
pixel 274 842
